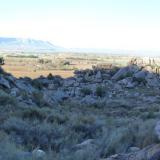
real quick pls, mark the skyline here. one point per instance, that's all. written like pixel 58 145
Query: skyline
pixel 109 24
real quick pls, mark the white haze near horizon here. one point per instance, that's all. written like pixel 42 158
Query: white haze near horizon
pixel 110 24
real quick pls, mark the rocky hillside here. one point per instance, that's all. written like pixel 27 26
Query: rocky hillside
pixel 87 86
pixel 99 113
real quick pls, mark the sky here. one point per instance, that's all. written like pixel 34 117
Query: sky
pixel 110 24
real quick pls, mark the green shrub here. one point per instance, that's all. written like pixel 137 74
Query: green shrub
pixel 37 84
pixel 117 140
pixel 148 115
pixel 57 118
pixel 100 91
pixel 34 113
pixel 38 98
pixel 86 91
pixel 6 99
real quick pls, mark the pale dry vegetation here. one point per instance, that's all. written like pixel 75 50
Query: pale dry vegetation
pixel 58 64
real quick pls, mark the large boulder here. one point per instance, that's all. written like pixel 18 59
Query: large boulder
pixel 121 73
pixel 99 75
pixel 125 72
pixel 4 82
pixel 141 75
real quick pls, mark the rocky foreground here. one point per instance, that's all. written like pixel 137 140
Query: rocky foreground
pixel 105 100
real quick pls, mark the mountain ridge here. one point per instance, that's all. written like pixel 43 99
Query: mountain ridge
pixel 27 45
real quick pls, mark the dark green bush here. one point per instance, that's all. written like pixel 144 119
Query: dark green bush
pixel 86 91
pixel 100 91
pixel 6 99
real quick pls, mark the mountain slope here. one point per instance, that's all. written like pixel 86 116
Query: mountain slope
pixel 26 45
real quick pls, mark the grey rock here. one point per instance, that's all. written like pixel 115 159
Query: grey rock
pixel 140 75
pixel 124 72
pixel 76 84
pixel 79 79
pixel 60 95
pixel 4 83
pixel 133 149
pixel 128 82
pixel 38 154
pixel 11 79
pixel 14 92
pixel 69 82
pixel 150 75
pixel 85 144
pixel 106 76
pixel 136 94
pixel 23 85
pixel 71 93
pixel 153 82
pixel 148 153
pixel 52 86
pixel 130 85
pixel 89 100
pixel 117 87
pixel 77 91
pixel 88 78
pixel 98 75
pixel 125 81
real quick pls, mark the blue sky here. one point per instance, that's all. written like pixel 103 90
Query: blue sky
pixel 113 24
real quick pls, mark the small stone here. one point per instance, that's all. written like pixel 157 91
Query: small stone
pixel 134 149
pixel 38 154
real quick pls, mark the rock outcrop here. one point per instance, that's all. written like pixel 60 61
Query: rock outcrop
pixel 151 152
pixel 85 86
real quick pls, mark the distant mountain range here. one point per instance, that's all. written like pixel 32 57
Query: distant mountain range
pixel 27 45
pixel 40 46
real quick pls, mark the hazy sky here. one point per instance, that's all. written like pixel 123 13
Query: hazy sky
pixel 113 24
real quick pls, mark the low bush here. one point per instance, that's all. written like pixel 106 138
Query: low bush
pixel 86 91
pixel 100 91
pixel 6 99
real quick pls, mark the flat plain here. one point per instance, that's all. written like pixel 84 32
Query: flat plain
pixel 63 65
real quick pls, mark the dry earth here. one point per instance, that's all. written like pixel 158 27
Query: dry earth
pixel 27 66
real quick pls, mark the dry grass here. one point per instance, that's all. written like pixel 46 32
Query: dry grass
pixel 23 71
pixel 31 67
